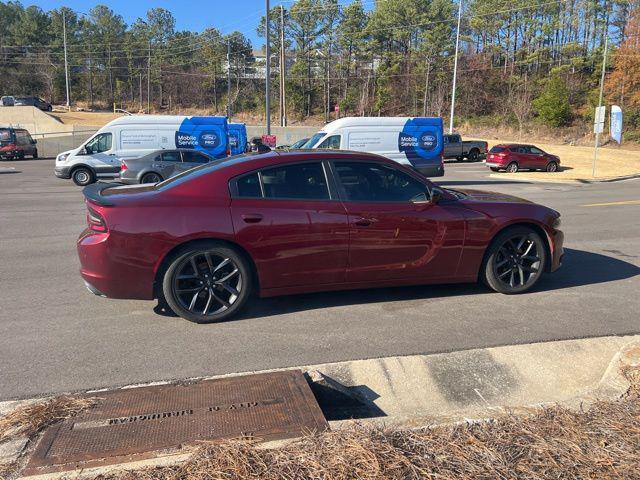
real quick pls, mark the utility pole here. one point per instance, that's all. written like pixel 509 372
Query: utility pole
pixel 267 106
pixel 597 129
pixel 455 70
pixel 141 91
pixel 66 63
pixel 283 72
pixel 149 79
pixel 228 78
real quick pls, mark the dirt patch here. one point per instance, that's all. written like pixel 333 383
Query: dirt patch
pixel 550 443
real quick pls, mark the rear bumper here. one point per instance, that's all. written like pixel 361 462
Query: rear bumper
pixel 109 273
pixel 494 165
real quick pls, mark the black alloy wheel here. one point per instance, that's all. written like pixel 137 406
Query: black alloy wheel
pixel 207 283
pixel 515 261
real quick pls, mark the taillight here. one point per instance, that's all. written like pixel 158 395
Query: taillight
pixel 123 167
pixel 96 221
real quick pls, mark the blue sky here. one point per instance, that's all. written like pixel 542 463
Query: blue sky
pixel 196 15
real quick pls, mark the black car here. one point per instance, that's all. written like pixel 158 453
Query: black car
pixel 34 102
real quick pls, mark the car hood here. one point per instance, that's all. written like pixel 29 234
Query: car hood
pixel 491 197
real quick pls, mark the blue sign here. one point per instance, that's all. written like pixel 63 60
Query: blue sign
pixel 421 141
pixel 616 123
pixel 208 134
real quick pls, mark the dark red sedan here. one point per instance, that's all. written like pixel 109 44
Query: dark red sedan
pixel 514 157
pixel 290 222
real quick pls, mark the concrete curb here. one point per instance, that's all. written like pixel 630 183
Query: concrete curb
pixel 447 388
pixel 570 181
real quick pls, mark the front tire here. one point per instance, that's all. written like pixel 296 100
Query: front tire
pixel 207 282
pixel 552 167
pixel 35 154
pixel 82 176
pixel 515 261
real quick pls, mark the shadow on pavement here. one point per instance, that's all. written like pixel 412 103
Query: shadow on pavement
pixel 480 182
pixel 580 268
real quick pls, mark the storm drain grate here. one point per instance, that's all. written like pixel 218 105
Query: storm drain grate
pixel 136 423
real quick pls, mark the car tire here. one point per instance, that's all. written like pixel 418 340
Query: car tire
pixel 552 167
pixel 515 260
pixel 201 268
pixel 494 169
pixel 474 154
pixel 151 177
pixel 512 167
pixel 82 176
pixel 20 156
pixel 35 154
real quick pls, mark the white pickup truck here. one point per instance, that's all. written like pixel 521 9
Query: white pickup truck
pixel 455 147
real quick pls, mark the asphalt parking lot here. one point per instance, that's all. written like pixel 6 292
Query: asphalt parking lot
pixel 57 337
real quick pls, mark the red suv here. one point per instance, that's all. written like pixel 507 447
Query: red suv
pixel 289 222
pixel 514 157
pixel 16 143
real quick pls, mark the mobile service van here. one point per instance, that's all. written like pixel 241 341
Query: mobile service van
pixel 237 138
pixel 136 135
pixel 414 141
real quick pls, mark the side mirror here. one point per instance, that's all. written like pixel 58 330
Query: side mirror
pixel 436 195
pixel 34 141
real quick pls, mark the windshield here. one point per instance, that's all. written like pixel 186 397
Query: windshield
pixel 313 140
pixel 5 136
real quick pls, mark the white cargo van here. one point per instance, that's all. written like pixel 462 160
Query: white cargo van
pixel 137 135
pixel 415 141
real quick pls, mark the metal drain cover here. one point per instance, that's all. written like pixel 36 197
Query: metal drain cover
pixel 135 423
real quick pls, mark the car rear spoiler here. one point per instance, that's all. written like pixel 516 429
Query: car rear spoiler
pixel 94 191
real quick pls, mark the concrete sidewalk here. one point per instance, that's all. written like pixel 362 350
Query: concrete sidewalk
pixel 478 384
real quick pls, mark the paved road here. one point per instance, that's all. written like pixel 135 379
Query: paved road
pixel 56 337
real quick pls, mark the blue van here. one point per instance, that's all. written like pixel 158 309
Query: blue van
pixel 237 138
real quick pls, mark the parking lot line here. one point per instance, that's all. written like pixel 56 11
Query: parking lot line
pixel 623 202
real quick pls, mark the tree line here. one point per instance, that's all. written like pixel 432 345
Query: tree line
pixel 519 61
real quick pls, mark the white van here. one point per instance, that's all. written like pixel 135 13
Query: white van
pixel 414 141
pixel 137 135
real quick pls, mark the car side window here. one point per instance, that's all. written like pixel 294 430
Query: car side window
pixel 332 142
pixel 249 186
pixel 305 181
pixel 194 157
pixel 171 157
pixel 535 151
pixel 100 143
pixel 373 182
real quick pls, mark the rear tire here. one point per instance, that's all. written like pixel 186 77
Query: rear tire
pixel 82 176
pixel 207 282
pixel 151 178
pixel 474 154
pixel 515 261
pixel 512 167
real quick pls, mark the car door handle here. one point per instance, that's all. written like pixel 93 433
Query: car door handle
pixel 252 218
pixel 363 222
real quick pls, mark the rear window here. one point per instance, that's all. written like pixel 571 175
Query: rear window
pixel 497 150
pixel 5 135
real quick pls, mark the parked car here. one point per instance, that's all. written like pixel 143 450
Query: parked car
pixel 160 165
pixel 16 143
pixel 288 222
pixel 7 101
pixel 455 147
pixel 513 157
pixel 413 141
pixel 136 135
pixel 34 102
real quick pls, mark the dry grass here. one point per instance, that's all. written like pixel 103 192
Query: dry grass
pixel 28 420
pixel 553 443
